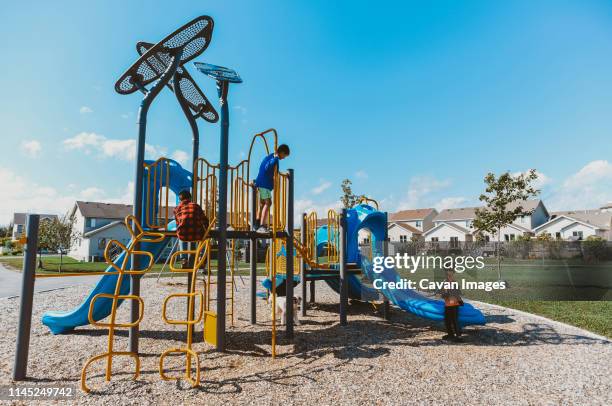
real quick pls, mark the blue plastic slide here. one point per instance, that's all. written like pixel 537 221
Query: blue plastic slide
pixel 366 217
pixel 59 322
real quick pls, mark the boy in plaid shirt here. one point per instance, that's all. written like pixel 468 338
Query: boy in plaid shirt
pixel 191 222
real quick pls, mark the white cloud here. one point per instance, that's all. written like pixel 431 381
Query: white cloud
pixel 450 203
pixel 24 195
pixel 181 157
pixel 85 110
pixel 361 174
pixel 31 148
pixel 124 149
pixel 308 205
pixel 420 191
pixel 323 186
pixel 590 187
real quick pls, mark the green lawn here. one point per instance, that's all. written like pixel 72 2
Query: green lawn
pixel 592 316
pixel 51 265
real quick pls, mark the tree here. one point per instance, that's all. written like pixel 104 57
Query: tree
pixel 56 234
pixel 503 196
pixel 348 198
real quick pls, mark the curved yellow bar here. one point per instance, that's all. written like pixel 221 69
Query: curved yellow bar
pixel 110 354
pixel 189 353
pixel 198 295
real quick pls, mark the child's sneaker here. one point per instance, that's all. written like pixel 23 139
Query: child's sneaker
pixel 263 229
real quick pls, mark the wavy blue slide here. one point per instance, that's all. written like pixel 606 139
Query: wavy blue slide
pixel 366 217
pixel 60 322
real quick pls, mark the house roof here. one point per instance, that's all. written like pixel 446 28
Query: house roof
pixel 519 227
pixel 606 206
pixel 594 218
pixel 469 213
pixel 406 227
pixel 20 218
pixel 451 225
pixel 112 211
pixel 462 213
pixel 104 210
pixel 413 214
pixel 106 227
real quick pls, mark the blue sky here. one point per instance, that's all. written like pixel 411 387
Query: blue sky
pixel 415 101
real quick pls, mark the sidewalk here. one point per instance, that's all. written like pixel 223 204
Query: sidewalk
pixel 10 282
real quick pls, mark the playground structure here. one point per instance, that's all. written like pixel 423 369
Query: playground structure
pixel 316 252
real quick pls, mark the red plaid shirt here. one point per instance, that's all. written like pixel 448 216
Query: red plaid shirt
pixel 191 222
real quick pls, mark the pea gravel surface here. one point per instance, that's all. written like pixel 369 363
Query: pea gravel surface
pixel 516 358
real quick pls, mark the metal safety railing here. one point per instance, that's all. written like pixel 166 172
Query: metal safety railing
pixel 333 236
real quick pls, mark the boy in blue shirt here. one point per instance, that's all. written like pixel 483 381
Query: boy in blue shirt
pixel 265 183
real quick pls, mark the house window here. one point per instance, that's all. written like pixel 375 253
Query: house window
pixel 509 237
pixel 578 235
pixel 558 235
pixel 523 219
pixel 419 223
pixel 90 222
pixel 434 239
pixel 101 243
pixel 487 238
pixel 468 223
pixel 454 242
pixel 403 238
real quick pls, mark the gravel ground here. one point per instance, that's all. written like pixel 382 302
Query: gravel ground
pixel 516 358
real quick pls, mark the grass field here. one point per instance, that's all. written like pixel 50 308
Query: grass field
pixel 595 316
pixel 51 265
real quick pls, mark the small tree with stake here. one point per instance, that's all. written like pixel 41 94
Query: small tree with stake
pixel 500 194
pixel 348 198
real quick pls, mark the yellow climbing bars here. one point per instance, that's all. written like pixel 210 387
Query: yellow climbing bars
pixel 200 255
pixel 333 236
pixel 157 198
pixel 238 217
pixel 138 236
pixel 205 187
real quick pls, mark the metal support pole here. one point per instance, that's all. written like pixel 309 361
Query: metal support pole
pixel 20 368
pixel 312 292
pixel 289 263
pixel 253 258
pixel 138 188
pixel 343 276
pixel 303 265
pixel 386 306
pixel 222 87
pixel 195 151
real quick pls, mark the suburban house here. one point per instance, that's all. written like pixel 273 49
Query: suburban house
pixel 19 220
pixel 97 223
pixel 408 225
pixel 455 225
pixel 578 225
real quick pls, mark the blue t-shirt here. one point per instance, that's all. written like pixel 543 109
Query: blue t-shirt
pixel 265 177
